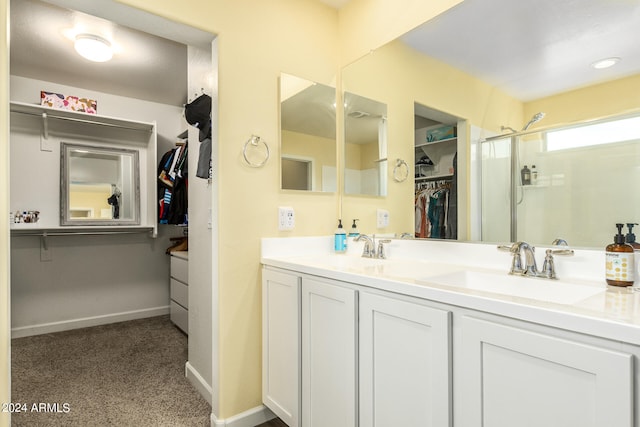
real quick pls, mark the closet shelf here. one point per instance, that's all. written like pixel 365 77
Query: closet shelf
pixel 434 177
pixel 65 122
pixel 424 144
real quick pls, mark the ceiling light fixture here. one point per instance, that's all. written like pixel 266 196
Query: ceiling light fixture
pixel 94 48
pixel 605 63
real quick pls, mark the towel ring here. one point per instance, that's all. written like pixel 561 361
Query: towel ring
pixel 253 141
pixel 400 171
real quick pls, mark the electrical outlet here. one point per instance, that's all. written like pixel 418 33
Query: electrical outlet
pixel 383 218
pixel 286 218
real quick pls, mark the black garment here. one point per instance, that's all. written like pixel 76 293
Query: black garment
pixel 172 188
pixel 179 202
pixel 113 201
pixel 204 159
pixel 198 114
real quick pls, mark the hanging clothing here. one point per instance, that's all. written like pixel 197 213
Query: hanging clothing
pixel 432 210
pixel 204 159
pixel 172 186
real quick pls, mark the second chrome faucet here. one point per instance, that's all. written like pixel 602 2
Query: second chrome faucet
pixel 369 250
pixel 529 268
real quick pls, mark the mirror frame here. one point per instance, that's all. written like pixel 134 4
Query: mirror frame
pixel 65 217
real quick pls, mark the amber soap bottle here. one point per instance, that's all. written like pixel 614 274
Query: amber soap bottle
pixel 619 261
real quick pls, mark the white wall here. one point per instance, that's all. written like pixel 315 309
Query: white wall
pixel 200 366
pixel 89 279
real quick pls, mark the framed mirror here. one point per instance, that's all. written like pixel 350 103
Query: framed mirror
pixel 99 186
pixel 307 135
pixel 365 129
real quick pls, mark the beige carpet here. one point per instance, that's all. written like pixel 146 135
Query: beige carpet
pixel 123 374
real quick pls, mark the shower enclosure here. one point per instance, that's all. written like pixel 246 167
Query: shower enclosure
pixel 585 182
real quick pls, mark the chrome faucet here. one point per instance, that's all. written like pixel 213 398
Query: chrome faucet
pixel 369 250
pixel 559 242
pixel 530 268
pixel 382 254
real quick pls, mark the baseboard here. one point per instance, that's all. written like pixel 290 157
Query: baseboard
pixel 252 417
pixel 66 325
pixel 198 382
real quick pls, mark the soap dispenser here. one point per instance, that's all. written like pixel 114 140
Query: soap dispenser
pixel 354 229
pixel 340 239
pixel 619 261
pixel 631 239
pixel 525 175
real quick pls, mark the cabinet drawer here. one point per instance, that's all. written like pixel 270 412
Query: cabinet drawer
pixel 180 293
pixel 180 316
pixel 180 269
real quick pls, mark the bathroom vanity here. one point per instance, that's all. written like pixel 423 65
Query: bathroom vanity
pixel 440 335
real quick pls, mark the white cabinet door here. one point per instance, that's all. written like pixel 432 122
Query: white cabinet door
pixel 328 355
pixel 281 345
pixel 514 377
pixel 405 364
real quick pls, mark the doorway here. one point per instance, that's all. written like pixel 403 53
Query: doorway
pixel 437 176
pixel 76 250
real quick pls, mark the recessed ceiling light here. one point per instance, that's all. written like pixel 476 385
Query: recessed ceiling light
pixel 94 48
pixel 605 63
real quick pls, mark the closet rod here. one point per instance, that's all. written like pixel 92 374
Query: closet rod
pixel 434 178
pixel 79 233
pixel 73 119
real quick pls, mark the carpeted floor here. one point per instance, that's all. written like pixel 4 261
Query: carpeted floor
pixel 123 374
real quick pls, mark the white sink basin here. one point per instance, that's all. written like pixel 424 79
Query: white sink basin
pixel 524 287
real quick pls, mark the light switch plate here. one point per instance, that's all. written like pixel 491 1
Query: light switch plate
pixel 286 218
pixel 383 218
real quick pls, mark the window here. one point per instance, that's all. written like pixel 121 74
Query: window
pixel 619 130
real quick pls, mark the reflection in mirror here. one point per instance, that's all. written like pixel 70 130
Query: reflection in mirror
pixel 498 81
pixel 365 128
pixel 98 186
pixel 307 135
pixel 555 190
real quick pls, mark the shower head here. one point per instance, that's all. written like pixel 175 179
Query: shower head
pixel 536 118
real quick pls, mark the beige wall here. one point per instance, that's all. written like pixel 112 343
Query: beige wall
pixel 95 200
pixel 5 355
pixel 321 150
pixel 598 101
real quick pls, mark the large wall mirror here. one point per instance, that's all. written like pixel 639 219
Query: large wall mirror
pixel 99 186
pixel 517 75
pixel 365 154
pixel 307 135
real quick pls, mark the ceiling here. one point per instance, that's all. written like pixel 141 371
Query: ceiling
pixel 144 66
pixel 529 49
pixel 533 49
pixel 310 111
